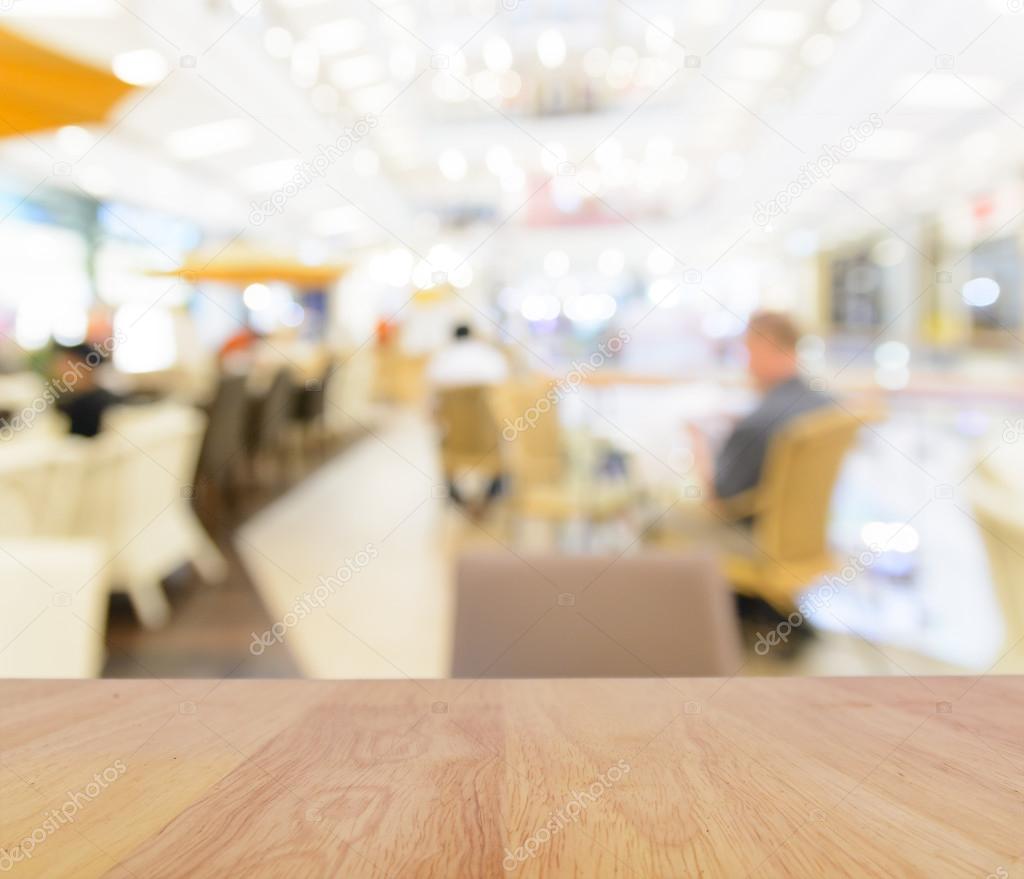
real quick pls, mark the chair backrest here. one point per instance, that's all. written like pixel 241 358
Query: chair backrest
pixel 53 608
pixel 797 482
pixel 469 436
pixel 590 616
pixel 226 426
pixel 310 400
pixel 142 468
pixel 1000 515
pixel 41 484
pixel 527 416
pixel 275 410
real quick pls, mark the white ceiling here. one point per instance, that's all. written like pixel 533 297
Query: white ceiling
pixel 662 121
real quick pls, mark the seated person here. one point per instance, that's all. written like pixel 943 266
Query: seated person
pixel 771 343
pixel 467 362
pixel 73 370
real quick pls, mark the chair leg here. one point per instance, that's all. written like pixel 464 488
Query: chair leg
pixel 210 563
pixel 150 603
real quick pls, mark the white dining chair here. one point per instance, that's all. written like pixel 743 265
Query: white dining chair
pixel 137 502
pixel 53 608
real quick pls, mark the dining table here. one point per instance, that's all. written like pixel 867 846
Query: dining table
pixel 649 777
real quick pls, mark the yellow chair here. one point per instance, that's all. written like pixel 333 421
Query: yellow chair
pixel 542 485
pixel 469 436
pixel 786 550
pixel 1000 515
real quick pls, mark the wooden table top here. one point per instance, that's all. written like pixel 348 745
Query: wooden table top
pixel 809 777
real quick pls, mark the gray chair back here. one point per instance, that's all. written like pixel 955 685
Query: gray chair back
pixel 649 615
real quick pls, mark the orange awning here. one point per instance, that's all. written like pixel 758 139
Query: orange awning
pixel 44 89
pixel 254 269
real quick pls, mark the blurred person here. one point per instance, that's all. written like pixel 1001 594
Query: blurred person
pixel 771 342
pixel 73 372
pixel 467 362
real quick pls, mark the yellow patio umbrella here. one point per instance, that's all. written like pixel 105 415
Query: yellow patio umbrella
pixel 244 270
pixel 43 88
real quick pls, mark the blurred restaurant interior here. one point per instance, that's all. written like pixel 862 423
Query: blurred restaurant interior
pixel 360 340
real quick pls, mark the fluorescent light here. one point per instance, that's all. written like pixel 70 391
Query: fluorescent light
pixel 551 48
pixel 325 98
pixel 278 42
pixel 351 73
pixel 756 63
pixel 660 35
pixel 452 164
pixel 499 159
pixel 335 221
pixel 338 37
pixel 402 62
pixel 844 14
pixel 372 99
pixel 139 67
pixel 267 176
pixel 486 84
pixel 256 297
pixel 497 55
pixel 980 292
pixel 305 64
pixel 888 144
pixel 775 27
pixel 74 139
pixel 210 139
pixel 946 92
pixel 817 50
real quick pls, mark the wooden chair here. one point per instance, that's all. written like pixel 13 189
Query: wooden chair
pixel 310 408
pixel 469 435
pixel 224 442
pixel 270 417
pixel 591 616
pixel 541 484
pixel 787 549
pixel 1000 515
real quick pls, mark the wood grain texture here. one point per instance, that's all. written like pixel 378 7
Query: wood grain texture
pixel 894 777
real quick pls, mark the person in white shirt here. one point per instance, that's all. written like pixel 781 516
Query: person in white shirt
pixel 466 362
